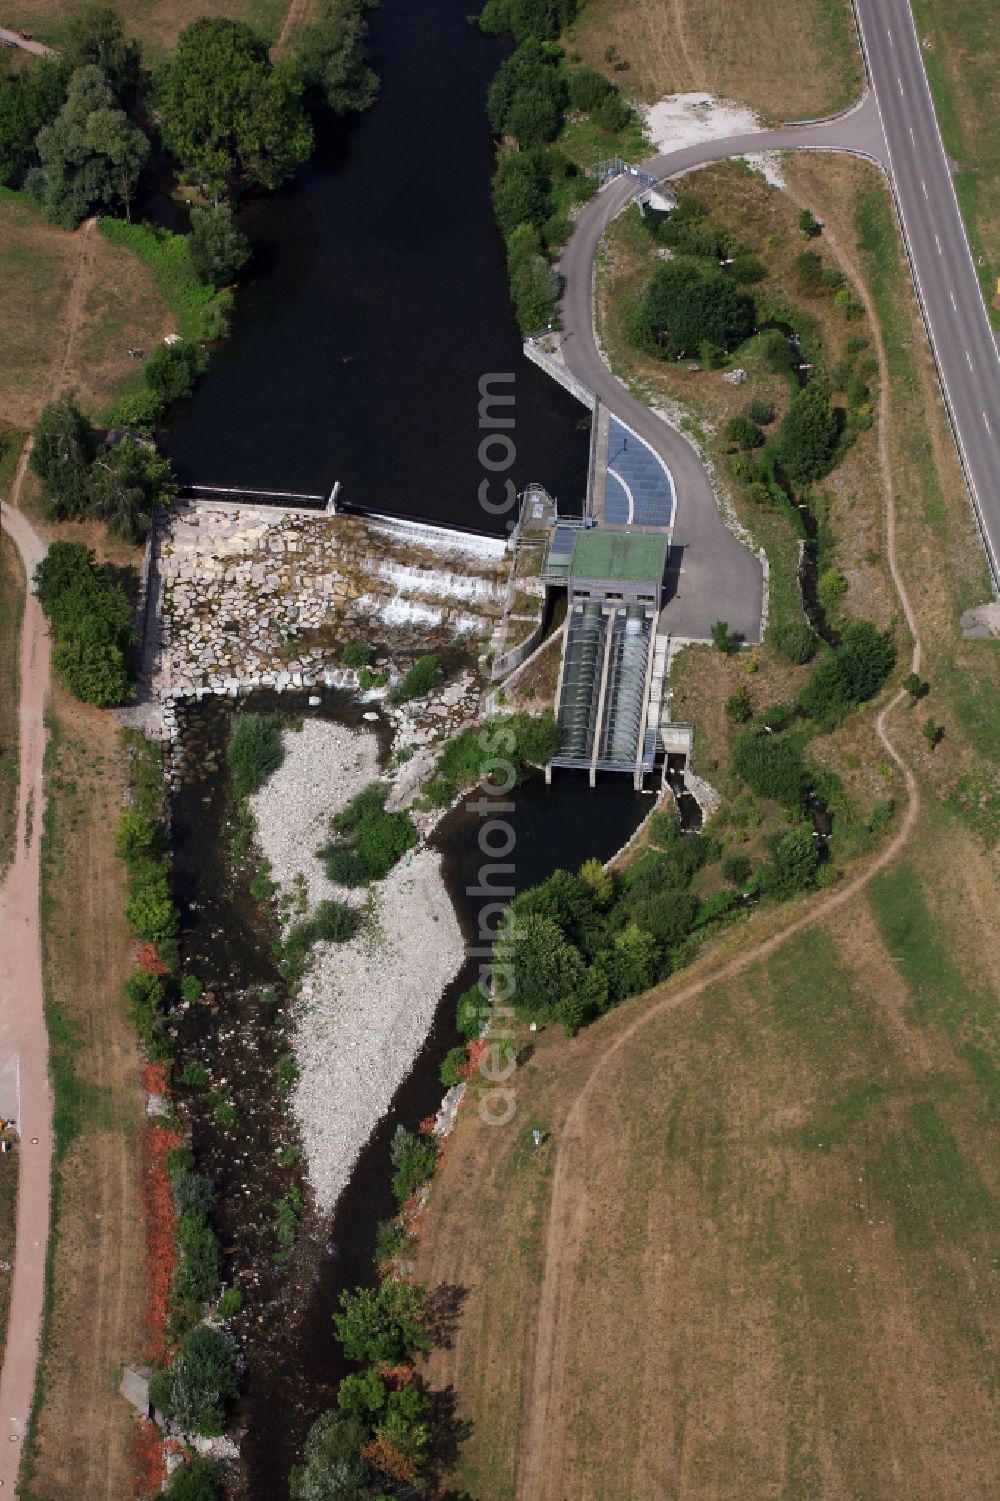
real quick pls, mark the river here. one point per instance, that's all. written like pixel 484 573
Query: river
pixel 378 300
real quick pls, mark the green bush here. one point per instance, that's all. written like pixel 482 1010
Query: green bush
pixel 452 1067
pixel 741 433
pixel 229 1304
pixel 794 640
pixel 197 1386
pixel 197 1479
pixel 332 1468
pixel 793 865
pixel 255 751
pixel 196 1276
pixel 172 369
pixel 773 767
pixel 149 910
pixel 737 869
pixel 368 841
pixel 471 1012
pixel 91 623
pixel 413 1161
pixel 739 706
pixel 357 654
pixel 533 285
pixel 145 993
pixel 419 681
pixel 383 1327
pixel 857 669
pixel 759 411
pixel 332 922
pixel 217 248
pixel 506 743
pixel 193 1192
pixel 809 435
pixel 61 455
pixel 690 303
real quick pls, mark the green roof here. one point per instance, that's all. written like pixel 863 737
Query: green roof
pixel 639 557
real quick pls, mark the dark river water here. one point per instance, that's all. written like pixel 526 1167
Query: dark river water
pixel 292 1363
pixel 378 300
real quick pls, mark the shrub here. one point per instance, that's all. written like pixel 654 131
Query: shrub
pixel 747 269
pixel 197 1479
pixel 383 1327
pixel 332 922
pixel 194 1075
pixel 357 654
pixel 741 433
pixel 371 840
pixel 413 1160
pixel 515 740
pixel 808 436
pixel 452 1068
pixel 808 223
pixel 737 869
pixel 420 679
pixel 255 751
pixel 773 767
pixel 533 285
pixel 721 638
pixel 193 1193
pixel 794 640
pixel 471 1012
pixel 191 988
pixel 831 587
pixel 793 864
pixel 808 270
pixel 171 371
pixel 149 911
pixel 759 411
pixel 230 1303
pixel 739 706
pixel 689 303
pixel 777 352
pixel 858 668
pixel 144 992
pixel 139 411
pixel 196 1276
pixel 199 1383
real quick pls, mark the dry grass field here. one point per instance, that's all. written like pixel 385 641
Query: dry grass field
pixel 157 23
pixel 71 306
pixel 97 1316
pixel 750 53
pixel 772 1270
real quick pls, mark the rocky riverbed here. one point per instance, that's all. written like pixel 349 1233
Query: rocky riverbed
pixel 247 597
pixel 365 1007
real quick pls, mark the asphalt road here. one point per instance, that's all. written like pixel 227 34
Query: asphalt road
pixel 960 333
pixel 713 575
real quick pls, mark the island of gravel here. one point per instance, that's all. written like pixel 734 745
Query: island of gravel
pixel 365 1007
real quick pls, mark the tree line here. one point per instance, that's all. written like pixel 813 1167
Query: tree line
pixel 536 184
pixel 80 131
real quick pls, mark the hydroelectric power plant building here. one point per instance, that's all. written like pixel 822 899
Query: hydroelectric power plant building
pixel 615 584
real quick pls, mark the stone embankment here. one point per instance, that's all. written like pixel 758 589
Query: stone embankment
pixel 255 598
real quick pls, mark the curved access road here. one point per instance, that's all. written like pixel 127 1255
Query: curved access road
pixel 22 1018
pixel 713 575
pixel 948 289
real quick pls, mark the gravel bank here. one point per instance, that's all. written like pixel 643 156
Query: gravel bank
pixel 363 1014
pixel 365 1007
pixel 324 766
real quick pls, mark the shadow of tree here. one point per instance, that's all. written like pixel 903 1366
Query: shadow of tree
pixel 443 1309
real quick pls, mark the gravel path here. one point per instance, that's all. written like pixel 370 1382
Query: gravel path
pixel 366 1006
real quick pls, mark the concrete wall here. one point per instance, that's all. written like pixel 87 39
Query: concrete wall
pixel 560 373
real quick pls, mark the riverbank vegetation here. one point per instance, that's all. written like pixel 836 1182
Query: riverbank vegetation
pixel 91 623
